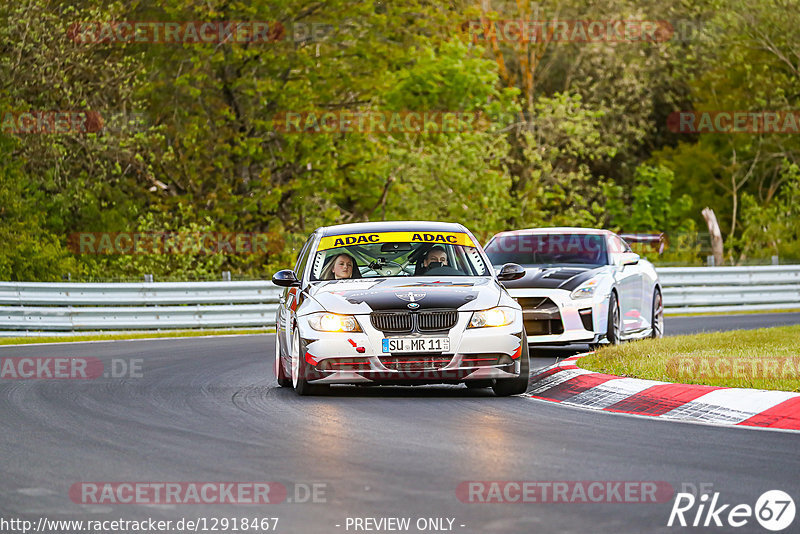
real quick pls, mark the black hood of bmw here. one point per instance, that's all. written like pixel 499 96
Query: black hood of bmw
pixel 401 293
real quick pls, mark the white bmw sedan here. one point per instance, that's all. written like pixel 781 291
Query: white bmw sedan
pixel 405 302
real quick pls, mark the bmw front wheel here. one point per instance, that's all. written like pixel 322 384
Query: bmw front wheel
pixel 503 387
pixel 300 369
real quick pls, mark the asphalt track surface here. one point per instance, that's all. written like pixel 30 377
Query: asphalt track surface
pixel 208 409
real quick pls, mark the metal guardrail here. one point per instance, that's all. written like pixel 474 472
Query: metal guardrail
pixel 725 289
pixel 32 306
pixel 75 307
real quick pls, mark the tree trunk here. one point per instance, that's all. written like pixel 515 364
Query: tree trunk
pixel 716 235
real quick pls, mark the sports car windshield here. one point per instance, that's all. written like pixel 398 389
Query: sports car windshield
pixel 397 258
pixel 548 249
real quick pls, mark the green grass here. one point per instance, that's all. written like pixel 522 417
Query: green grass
pixel 747 312
pixel 131 335
pixel 767 358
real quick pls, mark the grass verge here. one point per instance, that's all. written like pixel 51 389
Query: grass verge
pixel 746 312
pixel 130 335
pixel 767 358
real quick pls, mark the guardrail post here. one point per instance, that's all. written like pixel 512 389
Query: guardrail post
pixel 148 278
pixel 774 260
pixel 710 261
pixel 226 276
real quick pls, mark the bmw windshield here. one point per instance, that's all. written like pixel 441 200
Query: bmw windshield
pixel 384 255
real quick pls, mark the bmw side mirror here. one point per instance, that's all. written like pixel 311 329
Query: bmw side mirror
pixel 510 271
pixel 285 278
pixel 629 258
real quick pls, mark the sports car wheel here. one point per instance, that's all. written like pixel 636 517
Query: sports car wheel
pixel 658 315
pixel 614 320
pixel 283 380
pixel 503 387
pixel 300 369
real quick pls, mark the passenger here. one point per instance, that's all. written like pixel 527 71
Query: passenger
pixel 342 266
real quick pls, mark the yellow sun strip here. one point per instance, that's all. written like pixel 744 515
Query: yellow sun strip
pixel 442 238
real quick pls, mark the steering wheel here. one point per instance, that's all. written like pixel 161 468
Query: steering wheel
pixel 444 270
pixel 385 268
pixel 569 258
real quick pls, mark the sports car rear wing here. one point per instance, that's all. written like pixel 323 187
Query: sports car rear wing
pixel 657 241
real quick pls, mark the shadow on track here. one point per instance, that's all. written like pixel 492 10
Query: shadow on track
pixel 541 357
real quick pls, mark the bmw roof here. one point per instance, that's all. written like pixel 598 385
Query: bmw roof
pixel 392 226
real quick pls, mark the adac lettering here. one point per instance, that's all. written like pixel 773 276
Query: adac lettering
pixel 356 240
pixel 434 238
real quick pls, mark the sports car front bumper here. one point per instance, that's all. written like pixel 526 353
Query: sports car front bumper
pixel 552 317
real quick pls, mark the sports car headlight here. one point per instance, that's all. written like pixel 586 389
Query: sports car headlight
pixel 492 317
pixel 585 290
pixel 332 322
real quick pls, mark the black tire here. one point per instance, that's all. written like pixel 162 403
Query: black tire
pixel 280 374
pixel 503 387
pixel 657 323
pixel 301 385
pixel 614 320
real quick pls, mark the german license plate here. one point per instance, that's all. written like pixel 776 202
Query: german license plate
pixel 417 344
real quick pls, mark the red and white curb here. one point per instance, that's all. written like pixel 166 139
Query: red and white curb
pixel 568 384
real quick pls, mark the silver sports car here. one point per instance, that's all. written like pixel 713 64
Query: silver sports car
pixel 581 285
pixel 398 303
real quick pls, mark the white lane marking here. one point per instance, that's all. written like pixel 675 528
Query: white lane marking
pixel 94 509
pixel 36 492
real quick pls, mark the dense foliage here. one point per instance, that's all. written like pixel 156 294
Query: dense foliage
pixel 569 133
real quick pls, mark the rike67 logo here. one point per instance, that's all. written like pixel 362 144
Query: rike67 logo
pixel 774 510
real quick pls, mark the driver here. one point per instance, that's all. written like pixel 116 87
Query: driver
pixel 435 255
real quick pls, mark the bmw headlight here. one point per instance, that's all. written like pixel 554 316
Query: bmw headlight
pixel 333 322
pixel 585 290
pixel 492 317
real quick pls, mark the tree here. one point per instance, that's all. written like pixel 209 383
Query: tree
pixel 773 228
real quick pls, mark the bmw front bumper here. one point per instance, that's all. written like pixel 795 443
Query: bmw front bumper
pixel 357 357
